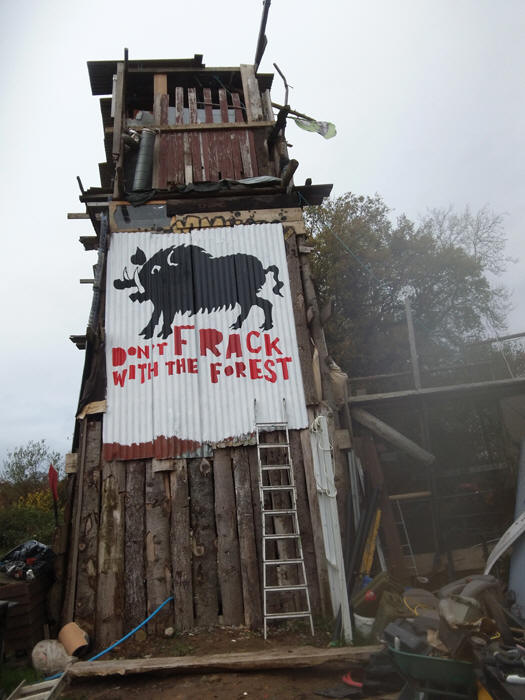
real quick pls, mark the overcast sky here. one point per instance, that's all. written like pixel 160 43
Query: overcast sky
pixel 427 97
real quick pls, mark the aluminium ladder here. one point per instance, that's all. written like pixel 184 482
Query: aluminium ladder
pixel 46 690
pixel 280 526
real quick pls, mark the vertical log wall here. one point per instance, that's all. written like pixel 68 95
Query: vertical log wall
pixel 192 532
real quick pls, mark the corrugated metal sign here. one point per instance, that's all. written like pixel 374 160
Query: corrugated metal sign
pixel 199 331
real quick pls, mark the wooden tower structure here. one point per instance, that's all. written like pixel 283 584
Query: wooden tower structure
pixel 204 326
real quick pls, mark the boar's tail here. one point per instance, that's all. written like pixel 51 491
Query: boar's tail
pixel 278 284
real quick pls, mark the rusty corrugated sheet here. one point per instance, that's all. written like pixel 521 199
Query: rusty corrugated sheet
pixel 199 327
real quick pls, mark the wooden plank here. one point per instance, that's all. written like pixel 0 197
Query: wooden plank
pixel 118 125
pixel 223 141
pixel 252 96
pixel 299 657
pixel 110 588
pixel 204 560
pixel 253 155
pixel 89 530
pixel 213 156
pixel 245 523
pixel 205 137
pixel 188 166
pixel 158 557
pixel 391 540
pixel 118 110
pixel 135 609
pixel 315 515
pixel 304 341
pixel 223 103
pixel 253 463
pixel 228 558
pixel 68 609
pixel 215 126
pixel 196 154
pixel 236 146
pixel 178 142
pixel 78 215
pixel 181 558
pixel 246 158
pixel 160 83
pixel 71 463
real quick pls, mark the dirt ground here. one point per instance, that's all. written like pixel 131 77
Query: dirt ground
pixel 294 684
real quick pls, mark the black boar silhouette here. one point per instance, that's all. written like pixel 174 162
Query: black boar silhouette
pixel 187 279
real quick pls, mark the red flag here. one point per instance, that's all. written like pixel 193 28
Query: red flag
pixel 53 481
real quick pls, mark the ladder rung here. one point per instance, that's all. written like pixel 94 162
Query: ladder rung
pixel 278 562
pixel 269 467
pixel 298 587
pixel 288 536
pixel 282 511
pixel 282 616
pixel 271 445
pixel 274 424
pixel 281 487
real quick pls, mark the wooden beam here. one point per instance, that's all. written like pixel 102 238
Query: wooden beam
pixel 301 657
pixel 217 126
pixel 498 386
pixel 181 558
pixel 228 559
pixel 110 581
pixel 85 602
pixel 252 95
pixel 245 526
pixel 160 84
pixel 394 437
pixel 158 554
pixel 78 215
pixel 135 589
pixel 204 546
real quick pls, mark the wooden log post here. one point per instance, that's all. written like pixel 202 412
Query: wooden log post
pixel 110 588
pixel 158 556
pixel 299 309
pixel 204 559
pixel 228 557
pixel 181 556
pixel 86 595
pixel 251 590
pixel 305 521
pixel 317 527
pixel 135 607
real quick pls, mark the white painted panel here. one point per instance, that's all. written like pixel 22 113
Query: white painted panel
pixel 195 380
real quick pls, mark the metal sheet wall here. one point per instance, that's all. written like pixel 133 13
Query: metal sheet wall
pixel 194 376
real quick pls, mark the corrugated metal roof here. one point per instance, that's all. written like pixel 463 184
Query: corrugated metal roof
pixel 193 378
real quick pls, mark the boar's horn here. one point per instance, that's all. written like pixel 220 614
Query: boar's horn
pixel 137 281
pixel 139 257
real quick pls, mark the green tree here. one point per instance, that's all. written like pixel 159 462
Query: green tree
pixel 25 469
pixel 367 265
pixel 26 506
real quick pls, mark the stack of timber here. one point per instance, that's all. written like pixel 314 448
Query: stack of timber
pixel 27 619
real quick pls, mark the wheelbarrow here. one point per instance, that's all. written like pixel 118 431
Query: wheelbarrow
pixel 431 677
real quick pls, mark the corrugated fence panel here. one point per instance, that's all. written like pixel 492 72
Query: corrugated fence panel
pixel 199 331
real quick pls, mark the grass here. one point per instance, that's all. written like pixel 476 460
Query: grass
pixel 12 675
